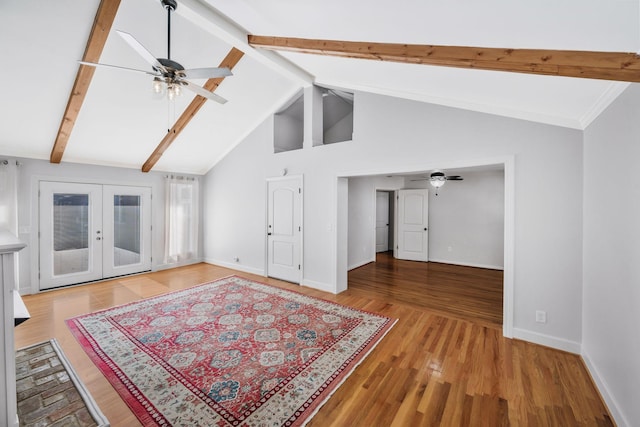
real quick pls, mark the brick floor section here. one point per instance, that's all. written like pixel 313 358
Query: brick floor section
pixel 46 394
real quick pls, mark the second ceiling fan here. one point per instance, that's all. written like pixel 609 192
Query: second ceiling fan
pixel 438 178
pixel 169 75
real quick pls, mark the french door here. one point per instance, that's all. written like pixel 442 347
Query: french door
pixel 90 232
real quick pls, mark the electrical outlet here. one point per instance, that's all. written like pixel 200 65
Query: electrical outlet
pixel 541 316
pixel 236 259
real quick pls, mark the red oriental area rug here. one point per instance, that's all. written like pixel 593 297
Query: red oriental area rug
pixel 228 353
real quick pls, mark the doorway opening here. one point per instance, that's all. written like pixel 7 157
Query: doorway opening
pixel 448 243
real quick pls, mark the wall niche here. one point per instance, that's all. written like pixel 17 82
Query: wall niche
pixel 288 125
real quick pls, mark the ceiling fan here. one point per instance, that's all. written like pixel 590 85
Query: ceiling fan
pixel 438 178
pixel 169 75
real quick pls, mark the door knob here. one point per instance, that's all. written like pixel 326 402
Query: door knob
pixel 98 238
pixel 268 234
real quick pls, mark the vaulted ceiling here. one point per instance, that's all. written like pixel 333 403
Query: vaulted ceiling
pixel 121 122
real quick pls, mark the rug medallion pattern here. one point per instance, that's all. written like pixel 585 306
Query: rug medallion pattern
pixel 228 353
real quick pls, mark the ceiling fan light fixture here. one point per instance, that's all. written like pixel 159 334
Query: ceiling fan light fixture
pixel 173 91
pixel 158 86
pixel 437 182
pixel 437 179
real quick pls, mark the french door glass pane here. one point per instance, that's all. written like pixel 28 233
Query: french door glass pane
pixel 70 233
pixel 126 230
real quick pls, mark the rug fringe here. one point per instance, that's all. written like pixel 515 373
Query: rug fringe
pixel 351 371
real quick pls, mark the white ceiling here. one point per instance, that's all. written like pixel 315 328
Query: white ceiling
pixel 121 123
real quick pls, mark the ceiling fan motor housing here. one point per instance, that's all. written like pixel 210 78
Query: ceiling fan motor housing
pixel 169 4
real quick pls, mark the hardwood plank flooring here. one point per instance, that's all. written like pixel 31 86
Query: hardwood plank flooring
pixel 468 293
pixel 432 368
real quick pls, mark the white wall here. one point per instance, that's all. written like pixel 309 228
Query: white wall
pixel 466 219
pixel 611 315
pixel 362 216
pixel 394 135
pixel 31 171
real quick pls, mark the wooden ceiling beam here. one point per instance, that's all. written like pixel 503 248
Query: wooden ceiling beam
pixel 99 32
pixel 230 61
pixel 620 66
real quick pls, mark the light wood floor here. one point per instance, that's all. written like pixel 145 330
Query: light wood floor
pixel 431 369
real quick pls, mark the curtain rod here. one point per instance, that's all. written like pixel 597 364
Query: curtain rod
pixel 187 178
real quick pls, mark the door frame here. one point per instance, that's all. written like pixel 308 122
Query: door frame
pixel 95 209
pixel 392 217
pixel 284 177
pixel 32 230
pixel 396 224
pixel 340 186
pixel 388 221
pixel 105 225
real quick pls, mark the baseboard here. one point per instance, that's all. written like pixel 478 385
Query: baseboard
pixel 467 264
pixel 326 287
pixel 160 267
pixel 547 340
pixel 235 266
pixel 360 264
pixel 618 418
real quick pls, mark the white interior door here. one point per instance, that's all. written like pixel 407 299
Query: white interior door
pixel 382 221
pixel 90 232
pixel 284 228
pixel 70 233
pixel 412 222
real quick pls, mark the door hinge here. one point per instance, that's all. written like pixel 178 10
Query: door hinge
pixel 299 228
pixel 299 190
pixel 298 266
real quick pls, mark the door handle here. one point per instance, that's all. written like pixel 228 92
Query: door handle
pixel 268 234
pixel 425 229
pixel 98 238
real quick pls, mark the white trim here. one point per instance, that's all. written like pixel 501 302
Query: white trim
pixel 235 266
pixel 509 221
pixel 467 264
pixel 508 276
pixel 603 388
pixel 547 340
pixel 614 90
pixel 361 263
pixel 90 403
pixel 326 287
pixel 182 263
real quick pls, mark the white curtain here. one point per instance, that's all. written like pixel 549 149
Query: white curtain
pixel 181 219
pixel 9 195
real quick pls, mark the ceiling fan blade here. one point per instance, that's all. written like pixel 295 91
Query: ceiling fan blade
pixel 142 51
pixel 97 64
pixel 203 92
pixel 420 179
pixel 206 73
pixel 454 178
